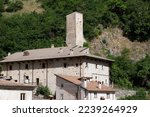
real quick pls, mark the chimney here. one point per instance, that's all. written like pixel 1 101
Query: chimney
pixel 99 85
pixel 74 29
pixel 26 53
pixel 71 51
pixel 84 82
pixel 9 53
pixel 60 50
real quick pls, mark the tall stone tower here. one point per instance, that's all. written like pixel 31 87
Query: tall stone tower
pixel 74 29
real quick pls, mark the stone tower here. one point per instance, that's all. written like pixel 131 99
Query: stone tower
pixel 74 29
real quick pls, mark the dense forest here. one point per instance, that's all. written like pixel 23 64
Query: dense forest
pixel 37 30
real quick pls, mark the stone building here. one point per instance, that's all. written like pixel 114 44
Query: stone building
pixel 82 88
pixel 40 66
pixel 11 90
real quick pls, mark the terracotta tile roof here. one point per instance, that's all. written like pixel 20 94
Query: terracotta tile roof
pixel 14 85
pixel 72 79
pixel 92 86
pixel 50 53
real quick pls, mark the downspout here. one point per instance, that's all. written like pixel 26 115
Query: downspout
pixel 46 73
pixel 19 72
pixel 7 69
pixel 80 67
pixel 32 71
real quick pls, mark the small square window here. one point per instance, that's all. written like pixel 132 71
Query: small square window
pixel 26 66
pixel 10 67
pixel 65 65
pixel 43 65
pixel 62 85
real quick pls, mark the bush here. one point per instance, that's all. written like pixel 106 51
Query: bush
pixel 43 90
pixel 140 95
pixel 14 6
pixel 86 44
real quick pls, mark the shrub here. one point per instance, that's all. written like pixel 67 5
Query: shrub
pixel 43 90
pixel 14 6
pixel 86 44
pixel 140 95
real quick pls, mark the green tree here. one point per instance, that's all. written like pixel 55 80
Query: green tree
pixel 123 70
pixel 143 72
pixel 1 6
pixel 14 6
pixel 136 19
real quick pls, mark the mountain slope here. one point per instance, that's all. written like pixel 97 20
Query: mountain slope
pixel 112 41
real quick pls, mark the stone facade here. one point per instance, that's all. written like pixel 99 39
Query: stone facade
pixel 43 71
pixel 72 88
pixel 74 29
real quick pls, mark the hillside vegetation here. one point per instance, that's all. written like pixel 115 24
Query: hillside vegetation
pixel 30 24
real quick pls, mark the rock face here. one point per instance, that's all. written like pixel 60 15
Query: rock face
pixel 123 93
pixel 112 41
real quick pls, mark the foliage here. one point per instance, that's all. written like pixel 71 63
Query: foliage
pixel 14 6
pixel 1 6
pixel 126 73
pixel 132 16
pixel 86 44
pixel 123 70
pixel 143 72
pixel 30 31
pixel 43 90
pixel 140 95
pixel 136 19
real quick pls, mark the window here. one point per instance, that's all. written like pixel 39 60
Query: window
pixel 65 65
pixel 26 66
pixel 96 66
pixel 95 95
pixel 105 81
pixel 22 96
pixel 86 64
pixel 10 67
pixel 61 96
pixel 43 65
pixel 77 65
pixel 26 79
pixel 102 67
pixel 76 95
pixel 95 78
pixel 108 95
pixel 16 80
pixel 62 85
pixel 37 81
pixel 1 74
